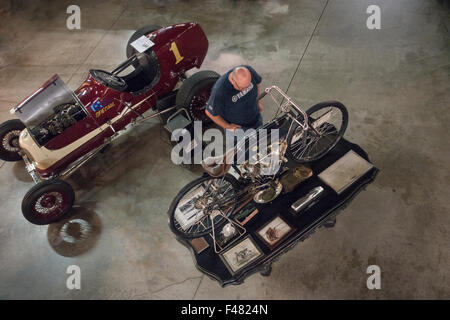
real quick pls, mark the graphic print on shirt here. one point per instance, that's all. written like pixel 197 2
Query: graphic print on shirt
pixel 236 97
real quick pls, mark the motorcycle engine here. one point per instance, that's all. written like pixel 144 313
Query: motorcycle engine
pixel 266 164
pixel 64 117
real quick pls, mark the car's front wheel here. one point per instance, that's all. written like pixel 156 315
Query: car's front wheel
pixel 48 201
pixel 9 140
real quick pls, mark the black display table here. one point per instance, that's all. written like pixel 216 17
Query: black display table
pixel 323 213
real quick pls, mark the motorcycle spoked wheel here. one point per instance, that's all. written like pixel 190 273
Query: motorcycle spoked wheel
pixel 215 194
pixel 330 120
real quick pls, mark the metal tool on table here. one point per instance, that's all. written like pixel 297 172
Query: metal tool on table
pixel 308 200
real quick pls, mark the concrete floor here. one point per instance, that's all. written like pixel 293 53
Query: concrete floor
pixel 394 81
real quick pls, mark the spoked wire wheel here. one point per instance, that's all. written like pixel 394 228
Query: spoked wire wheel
pixel 198 104
pixel 9 140
pixel 194 94
pixel 203 205
pixel 48 201
pixel 328 122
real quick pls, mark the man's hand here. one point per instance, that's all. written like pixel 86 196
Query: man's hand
pixel 233 127
pixel 221 122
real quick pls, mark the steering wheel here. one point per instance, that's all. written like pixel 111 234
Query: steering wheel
pixel 109 79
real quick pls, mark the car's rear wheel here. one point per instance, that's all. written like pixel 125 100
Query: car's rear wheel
pixel 48 201
pixel 194 94
pixel 9 140
pixel 137 34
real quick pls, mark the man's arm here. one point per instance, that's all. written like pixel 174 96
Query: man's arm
pixel 221 122
pixel 259 101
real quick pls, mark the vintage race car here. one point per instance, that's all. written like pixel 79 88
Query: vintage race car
pixel 58 130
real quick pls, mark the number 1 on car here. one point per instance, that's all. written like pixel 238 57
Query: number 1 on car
pixel 176 52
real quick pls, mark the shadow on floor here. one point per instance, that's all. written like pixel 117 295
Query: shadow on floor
pixel 140 148
pixel 20 172
pixel 77 234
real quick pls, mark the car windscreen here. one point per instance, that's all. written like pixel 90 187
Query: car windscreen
pixel 43 102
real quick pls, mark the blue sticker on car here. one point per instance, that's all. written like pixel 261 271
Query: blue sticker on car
pixel 96 106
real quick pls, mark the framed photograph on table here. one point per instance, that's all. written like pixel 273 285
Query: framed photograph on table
pixel 274 231
pixel 245 212
pixel 241 255
pixel 186 214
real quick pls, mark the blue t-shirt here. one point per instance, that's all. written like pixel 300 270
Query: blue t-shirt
pixel 238 107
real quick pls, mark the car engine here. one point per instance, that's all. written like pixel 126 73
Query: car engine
pixel 64 117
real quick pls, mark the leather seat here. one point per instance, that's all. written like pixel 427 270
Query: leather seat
pixel 149 64
pixel 145 75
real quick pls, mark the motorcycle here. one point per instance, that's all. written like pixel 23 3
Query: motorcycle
pixel 205 204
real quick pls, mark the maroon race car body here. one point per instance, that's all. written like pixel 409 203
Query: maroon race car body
pixel 192 45
pixel 59 130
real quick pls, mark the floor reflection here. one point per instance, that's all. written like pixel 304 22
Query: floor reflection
pixel 77 234
pixel 221 62
pixel 20 172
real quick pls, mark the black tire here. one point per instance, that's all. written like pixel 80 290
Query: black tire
pixel 194 94
pixel 336 137
pixel 39 199
pixel 174 226
pixel 9 140
pixel 137 34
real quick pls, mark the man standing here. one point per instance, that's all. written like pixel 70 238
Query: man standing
pixel 233 103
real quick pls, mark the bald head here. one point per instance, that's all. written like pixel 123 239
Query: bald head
pixel 240 78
